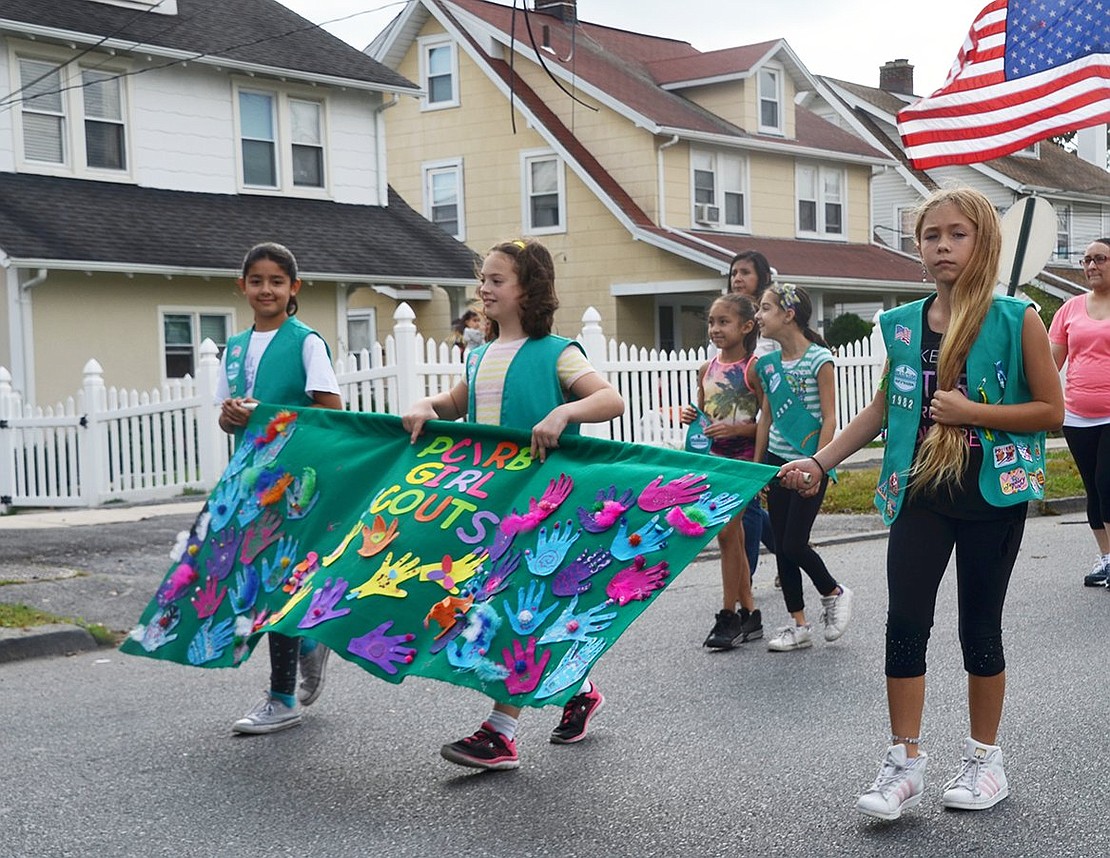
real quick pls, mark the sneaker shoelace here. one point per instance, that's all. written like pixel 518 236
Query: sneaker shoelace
pixel 574 708
pixel 968 778
pixel 888 775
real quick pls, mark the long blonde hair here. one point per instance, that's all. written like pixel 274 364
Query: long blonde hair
pixel 943 454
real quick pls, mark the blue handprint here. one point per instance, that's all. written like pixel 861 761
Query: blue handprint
pixel 550 551
pixel 576 627
pixel 273 575
pixel 224 500
pixel 471 647
pixel 157 632
pixel 528 617
pixel 574 665
pixel 651 537
pixel 245 590
pixel 715 510
pixel 249 509
pixel 209 643
pixel 242 456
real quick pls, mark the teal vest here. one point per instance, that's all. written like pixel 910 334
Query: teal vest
pixel 532 386
pixel 1013 464
pixel 792 419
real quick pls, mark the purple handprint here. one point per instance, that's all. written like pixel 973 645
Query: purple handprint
pixel 322 607
pixel 496 579
pixel 383 649
pixel 207 601
pixel 636 582
pixel 656 497
pixel 524 670
pixel 222 557
pixel 572 580
pixel 606 511
pixel 501 541
pixel 260 536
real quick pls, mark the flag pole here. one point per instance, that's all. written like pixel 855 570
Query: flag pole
pixel 1022 243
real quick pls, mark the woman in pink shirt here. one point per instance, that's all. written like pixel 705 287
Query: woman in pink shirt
pixel 1080 334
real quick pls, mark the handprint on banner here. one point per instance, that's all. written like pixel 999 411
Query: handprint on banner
pixel 500 544
pixel 177 583
pixel 556 492
pixel 244 592
pixel 524 670
pixel 376 538
pixel 656 497
pixel 708 512
pixel 651 537
pixel 225 545
pixel 573 579
pixel 260 536
pixel 574 665
pixel 207 600
pixel 159 631
pixel 224 501
pixel 637 582
pixel 274 437
pixel 209 643
pixel 273 575
pixel 383 649
pixel 606 511
pixel 550 551
pixel 447 612
pixel 528 617
pixel 390 575
pixel 571 626
pixel 471 648
pixel 449 573
pixel 301 496
pixel 242 455
pixel 249 509
pixel 494 580
pixel 342 546
pixel 322 607
pixel 291 603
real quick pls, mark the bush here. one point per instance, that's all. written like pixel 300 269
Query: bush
pixel 846 328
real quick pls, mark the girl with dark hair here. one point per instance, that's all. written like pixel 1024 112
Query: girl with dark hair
pixel 968 392
pixel 517 289
pixel 797 416
pixel 281 360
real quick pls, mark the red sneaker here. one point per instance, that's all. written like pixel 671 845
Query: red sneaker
pixel 576 717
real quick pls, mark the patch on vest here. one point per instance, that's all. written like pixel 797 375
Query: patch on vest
pixel 1005 455
pixel 904 378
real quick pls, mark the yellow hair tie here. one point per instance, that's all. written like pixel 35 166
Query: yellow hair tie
pixel 518 243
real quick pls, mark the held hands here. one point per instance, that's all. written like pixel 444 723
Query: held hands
pixel 802 475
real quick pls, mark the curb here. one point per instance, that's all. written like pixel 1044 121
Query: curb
pixel 40 641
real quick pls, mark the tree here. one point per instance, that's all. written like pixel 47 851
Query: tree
pixel 846 328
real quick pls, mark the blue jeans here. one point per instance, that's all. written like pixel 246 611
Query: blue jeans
pixel 757 527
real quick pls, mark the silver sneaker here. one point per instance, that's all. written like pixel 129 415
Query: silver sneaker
pixel 314 665
pixel 790 638
pixel 898 787
pixel 837 613
pixel 267 716
pixel 981 781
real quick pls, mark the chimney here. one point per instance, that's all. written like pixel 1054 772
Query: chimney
pixel 565 10
pixel 896 76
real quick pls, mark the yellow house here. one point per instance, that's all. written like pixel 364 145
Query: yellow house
pixel 643 163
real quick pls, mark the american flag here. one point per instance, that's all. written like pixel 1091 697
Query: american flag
pixel 902 333
pixel 1028 69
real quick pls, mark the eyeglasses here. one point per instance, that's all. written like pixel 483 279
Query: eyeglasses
pixel 1098 259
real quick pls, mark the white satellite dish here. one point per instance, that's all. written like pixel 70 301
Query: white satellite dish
pixel 1038 218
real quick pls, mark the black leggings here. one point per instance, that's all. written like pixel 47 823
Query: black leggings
pixel 1090 447
pixel 284 652
pixel 920 546
pixel 792 518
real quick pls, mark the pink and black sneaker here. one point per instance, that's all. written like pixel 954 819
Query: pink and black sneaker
pixel 576 716
pixel 486 749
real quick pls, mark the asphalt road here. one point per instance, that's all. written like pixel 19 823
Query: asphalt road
pixel 745 753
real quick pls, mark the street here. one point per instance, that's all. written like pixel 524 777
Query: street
pixel 741 753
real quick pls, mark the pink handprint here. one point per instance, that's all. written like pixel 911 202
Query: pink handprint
pixel 524 671
pixel 260 536
pixel 557 491
pixel 636 583
pixel 656 497
pixel 207 601
pixel 383 649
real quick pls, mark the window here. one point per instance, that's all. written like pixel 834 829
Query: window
pixel 73 118
pixel 544 193
pixel 1063 232
pixel 362 329
pixel 182 333
pixel 770 100
pixel 907 221
pixel 443 203
pixel 439 73
pixel 281 141
pixel 720 189
pixel 820 200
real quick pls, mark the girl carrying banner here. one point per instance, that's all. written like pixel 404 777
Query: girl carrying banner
pixel 969 390
pixel 797 416
pixel 524 378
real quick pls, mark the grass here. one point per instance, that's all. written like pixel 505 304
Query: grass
pixel 19 616
pixel 856 489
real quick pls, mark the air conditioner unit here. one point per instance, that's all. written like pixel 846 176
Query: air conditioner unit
pixel 707 214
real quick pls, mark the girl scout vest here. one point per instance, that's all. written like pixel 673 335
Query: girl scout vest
pixel 532 386
pixel 791 417
pixel 1013 464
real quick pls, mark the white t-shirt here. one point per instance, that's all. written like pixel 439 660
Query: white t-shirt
pixel 319 373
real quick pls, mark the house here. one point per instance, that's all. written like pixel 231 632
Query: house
pixel 145 145
pixel 1075 183
pixel 642 162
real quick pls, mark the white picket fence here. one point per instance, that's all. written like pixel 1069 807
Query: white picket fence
pixel 105 444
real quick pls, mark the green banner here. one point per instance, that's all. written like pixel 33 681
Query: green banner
pixel 458 558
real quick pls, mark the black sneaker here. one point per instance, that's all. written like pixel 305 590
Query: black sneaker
pixel 576 716
pixel 726 632
pixel 1098 574
pixel 486 749
pixel 751 625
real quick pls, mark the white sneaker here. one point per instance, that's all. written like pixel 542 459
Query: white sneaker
pixel 790 638
pixel 899 785
pixel 837 613
pixel 981 782
pixel 313 665
pixel 267 716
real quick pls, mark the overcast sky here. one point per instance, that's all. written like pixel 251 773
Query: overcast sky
pixel 848 39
